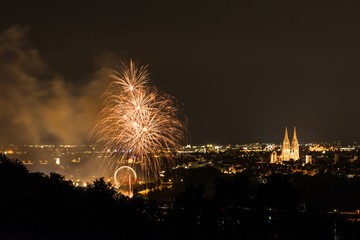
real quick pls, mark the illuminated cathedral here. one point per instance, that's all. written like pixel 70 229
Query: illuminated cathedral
pixel 288 151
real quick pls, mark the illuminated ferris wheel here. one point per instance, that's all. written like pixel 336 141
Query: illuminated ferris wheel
pixel 125 177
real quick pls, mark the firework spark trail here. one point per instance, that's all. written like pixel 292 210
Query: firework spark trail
pixel 138 121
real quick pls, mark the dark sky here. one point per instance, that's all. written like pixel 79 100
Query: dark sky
pixel 242 69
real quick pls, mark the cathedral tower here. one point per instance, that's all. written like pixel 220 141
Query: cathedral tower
pixel 285 151
pixel 294 147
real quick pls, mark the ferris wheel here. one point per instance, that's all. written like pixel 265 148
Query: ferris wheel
pixel 125 177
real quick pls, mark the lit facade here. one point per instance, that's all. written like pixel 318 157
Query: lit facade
pixel 274 157
pixel 290 151
pixel 308 159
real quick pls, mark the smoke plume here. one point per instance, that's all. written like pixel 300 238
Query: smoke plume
pixel 38 106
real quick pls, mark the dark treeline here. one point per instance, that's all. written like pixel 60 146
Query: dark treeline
pixel 37 206
pixel 205 205
pixel 280 206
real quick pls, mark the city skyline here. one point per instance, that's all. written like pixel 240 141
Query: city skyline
pixel 240 71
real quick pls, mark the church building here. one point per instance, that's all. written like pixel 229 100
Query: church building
pixel 288 151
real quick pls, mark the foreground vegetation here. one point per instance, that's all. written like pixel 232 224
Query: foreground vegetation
pixel 206 204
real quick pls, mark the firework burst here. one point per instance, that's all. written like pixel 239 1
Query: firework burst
pixel 137 126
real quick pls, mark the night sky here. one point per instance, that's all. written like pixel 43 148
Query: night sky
pixel 243 70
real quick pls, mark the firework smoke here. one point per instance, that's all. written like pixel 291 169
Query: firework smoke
pixel 37 105
pixel 137 126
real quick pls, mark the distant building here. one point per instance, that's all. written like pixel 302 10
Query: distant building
pixel 274 157
pixel 288 151
pixel 308 159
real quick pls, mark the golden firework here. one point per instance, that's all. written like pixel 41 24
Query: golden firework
pixel 137 125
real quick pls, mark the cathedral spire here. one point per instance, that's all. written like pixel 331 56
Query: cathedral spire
pixel 295 154
pixel 285 152
pixel 286 134
pixel 294 135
